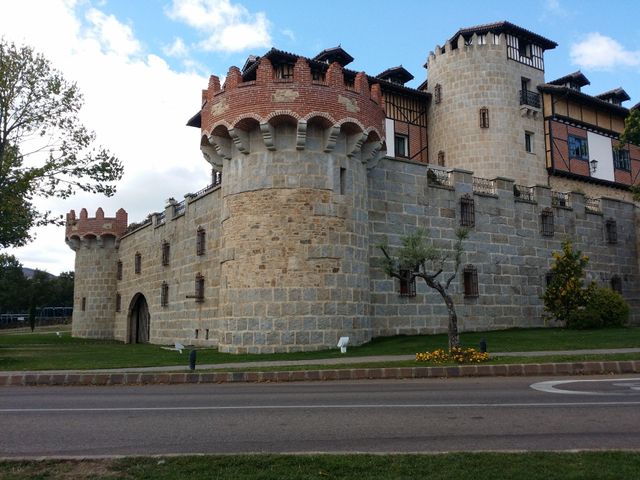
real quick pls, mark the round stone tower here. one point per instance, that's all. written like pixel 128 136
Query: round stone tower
pixel 95 241
pixel 485 114
pixel 294 151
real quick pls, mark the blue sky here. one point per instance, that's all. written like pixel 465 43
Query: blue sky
pixel 142 64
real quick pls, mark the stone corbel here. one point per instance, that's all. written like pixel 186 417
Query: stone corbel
pixel 240 140
pixel 370 151
pixel 331 137
pixel 211 155
pixel 222 145
pixel 301 135
pixel 268 135
pixel 354 143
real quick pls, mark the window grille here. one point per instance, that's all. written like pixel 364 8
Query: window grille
pixel 441 158
pixel 118 302
pixel 137 264
pixel 437 93
pixel 484 117
pixel 119 270
pixel 470 279
pixel 611 231
pixel 200 241
pixel 616 284
pixel 407 283
pixel 199 296
pixel 467 212
pixel 166 249
pixel 546 223
pixel 164 294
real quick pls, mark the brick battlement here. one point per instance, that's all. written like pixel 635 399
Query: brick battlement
pixel 300 97
pixel 98 226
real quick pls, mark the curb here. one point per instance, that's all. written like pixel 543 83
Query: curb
pixel 512 370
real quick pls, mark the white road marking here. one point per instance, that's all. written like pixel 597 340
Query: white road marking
pixel 550 386
pixel 318 407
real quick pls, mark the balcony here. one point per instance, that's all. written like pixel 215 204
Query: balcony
pixel 529 103
pixel 528 97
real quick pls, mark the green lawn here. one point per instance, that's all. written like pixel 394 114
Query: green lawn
pixel 47 351
pixel 459 466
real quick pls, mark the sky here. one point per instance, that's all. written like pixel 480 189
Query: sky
pixel 141 66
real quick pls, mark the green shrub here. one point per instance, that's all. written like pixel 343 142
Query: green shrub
pixel 604 308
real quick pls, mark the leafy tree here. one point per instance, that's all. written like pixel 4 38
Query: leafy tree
pixel 631 132
pixel 566 292
pixel 45 151
pixel 419 259
pixel 13 285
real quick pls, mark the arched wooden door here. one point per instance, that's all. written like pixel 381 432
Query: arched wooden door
pixel 139 320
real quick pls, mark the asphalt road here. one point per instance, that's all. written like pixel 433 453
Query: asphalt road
pixel 430 415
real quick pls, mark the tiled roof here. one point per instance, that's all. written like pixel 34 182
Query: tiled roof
pixel 506 27
pixel 584 98
pixel 575 77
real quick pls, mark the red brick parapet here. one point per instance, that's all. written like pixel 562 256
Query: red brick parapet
pixel 98 226
pixel 267 98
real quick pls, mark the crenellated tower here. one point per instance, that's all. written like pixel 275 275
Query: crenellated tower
pixel 95 241
pixel 486 111
pixel 294 142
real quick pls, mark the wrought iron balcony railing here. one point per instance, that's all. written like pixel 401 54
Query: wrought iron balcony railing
pixel 527 97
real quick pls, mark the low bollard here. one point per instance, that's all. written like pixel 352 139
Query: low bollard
pixel 192 359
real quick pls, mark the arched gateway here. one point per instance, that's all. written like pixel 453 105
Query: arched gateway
pixel 139 320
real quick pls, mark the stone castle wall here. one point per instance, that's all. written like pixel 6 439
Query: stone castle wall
pixel 506 246
pixel 183 319
pixel 474 76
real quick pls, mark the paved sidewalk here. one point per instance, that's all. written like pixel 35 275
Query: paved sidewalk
pixel 181 374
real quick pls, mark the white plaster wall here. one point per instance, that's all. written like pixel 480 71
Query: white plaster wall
pixel 601 150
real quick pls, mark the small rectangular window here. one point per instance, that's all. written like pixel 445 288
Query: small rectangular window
pixel 118 302
pixel 484 117
pixel 528 142
pixel 84 304
pixel 467 212
pixel 166 249
pixel 441 161
pixel 401 145
pixel 200 241
pixel 546 223
pixel 548 278
pixel 164 294
pixel 578 148
pixel 616 284
pixel 119 270
pixel 470 279
pixel 138 263
pixel 437 93
pixel 283 71
pixel 611 231
pixel 343 180
pixel 407 284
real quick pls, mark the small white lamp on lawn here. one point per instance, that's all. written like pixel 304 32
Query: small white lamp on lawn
pixel 342 343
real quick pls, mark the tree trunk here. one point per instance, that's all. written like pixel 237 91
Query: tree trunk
pixel 454 337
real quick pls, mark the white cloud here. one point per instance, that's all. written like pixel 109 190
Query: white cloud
pixel 135 102
pixel 553 7
pixel 176 49
pixel 227 27
pixel 113 36
pixel 599 52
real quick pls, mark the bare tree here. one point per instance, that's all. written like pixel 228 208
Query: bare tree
pixel 417 258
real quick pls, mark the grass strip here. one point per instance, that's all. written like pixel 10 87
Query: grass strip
pixel 48 351
pixel 605 465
